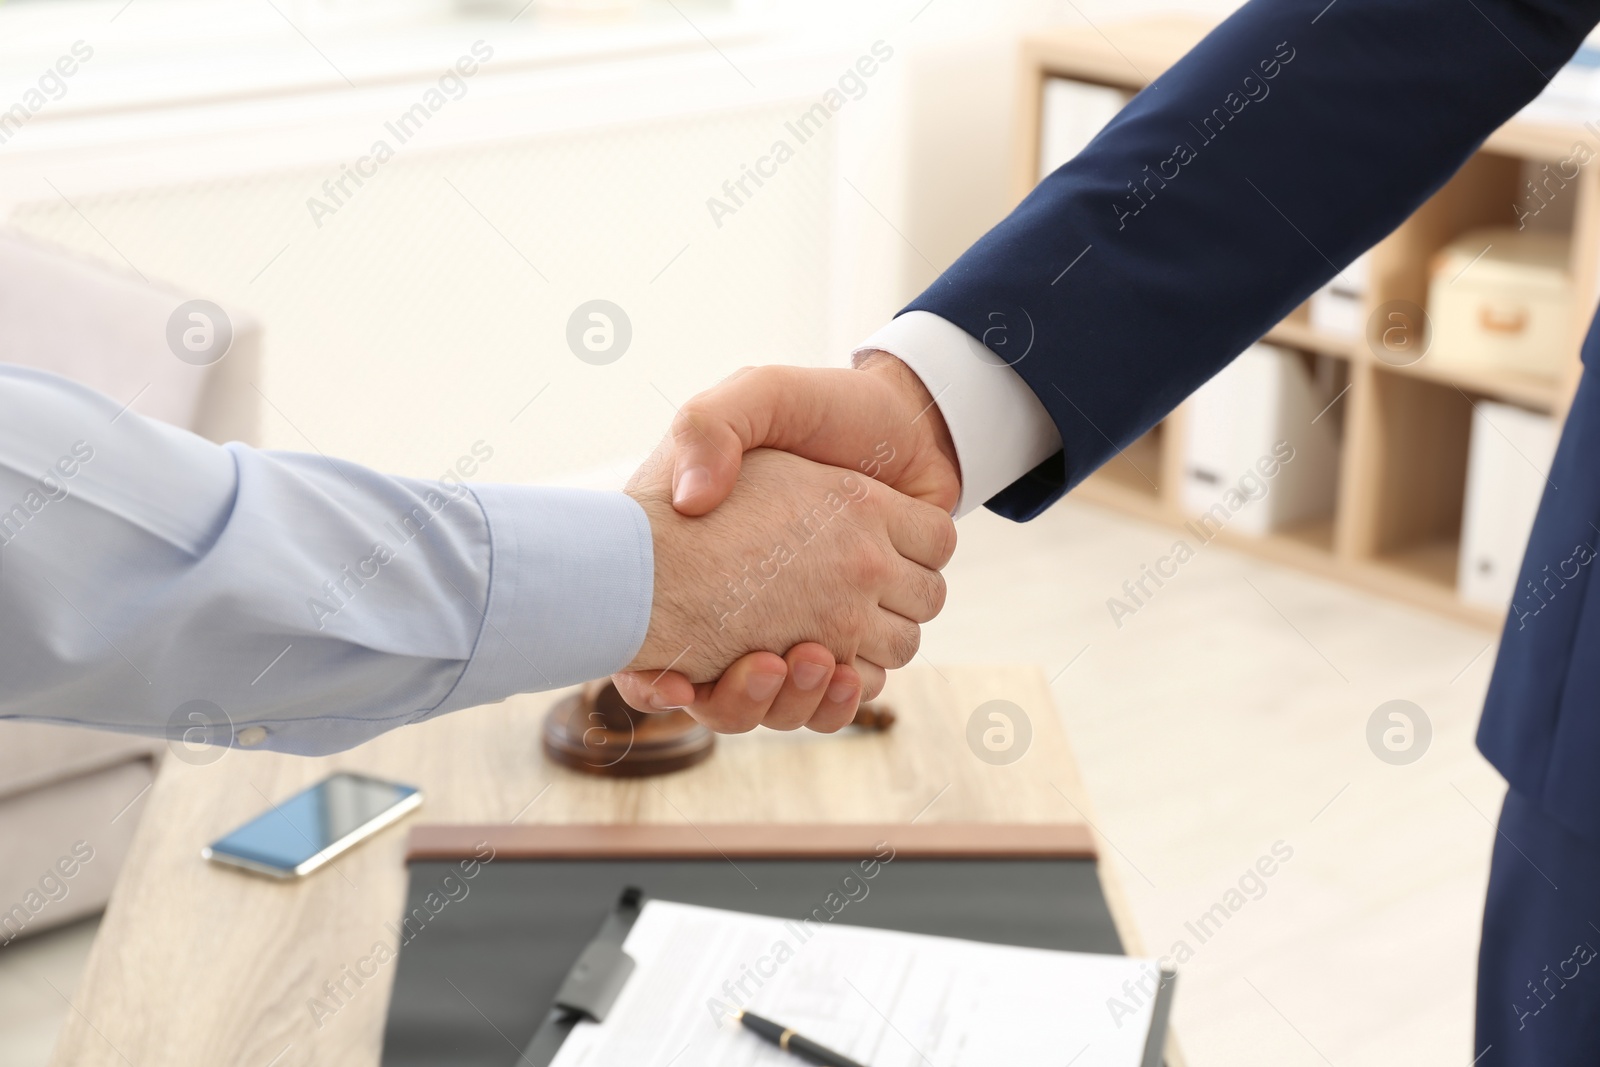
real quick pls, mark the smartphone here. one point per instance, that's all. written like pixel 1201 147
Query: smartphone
pixel 312 827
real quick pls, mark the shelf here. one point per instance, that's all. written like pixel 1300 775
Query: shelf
pixel 1315 536
pixel 1121 53
pixel 1544 142
pixel 1529 390
pixel 1404 431
pixel 1130 52
pixel 1425 575
pixel 1308 545
pixel 1297 334
pixel 1101 488
pixel 1435 562
pixel 1137 468
pixel 1131 480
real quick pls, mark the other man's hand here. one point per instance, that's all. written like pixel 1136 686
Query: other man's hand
pixel 799 552
pixel 878 419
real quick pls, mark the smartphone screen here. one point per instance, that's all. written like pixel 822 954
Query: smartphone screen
pixel 302 833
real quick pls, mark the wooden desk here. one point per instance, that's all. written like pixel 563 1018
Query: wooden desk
pixel 196 964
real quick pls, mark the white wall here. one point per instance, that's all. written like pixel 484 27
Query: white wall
pixel 414 321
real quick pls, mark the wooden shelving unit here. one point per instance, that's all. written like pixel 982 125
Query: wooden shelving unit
pixel 1396 528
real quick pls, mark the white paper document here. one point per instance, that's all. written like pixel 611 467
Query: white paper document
pixel 883 998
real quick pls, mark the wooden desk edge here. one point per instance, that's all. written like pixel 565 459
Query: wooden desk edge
pixel 1021 841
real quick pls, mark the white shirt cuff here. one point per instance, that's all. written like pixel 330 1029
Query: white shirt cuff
pixel 1000 429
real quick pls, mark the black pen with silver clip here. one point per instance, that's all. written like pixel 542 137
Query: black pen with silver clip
pixel 790 1041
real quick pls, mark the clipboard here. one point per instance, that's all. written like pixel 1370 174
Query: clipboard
pixel 481 979
pixel 591 987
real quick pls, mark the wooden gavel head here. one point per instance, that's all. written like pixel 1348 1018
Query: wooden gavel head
pixel 595 732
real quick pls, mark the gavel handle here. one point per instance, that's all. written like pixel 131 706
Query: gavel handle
pixel 874 717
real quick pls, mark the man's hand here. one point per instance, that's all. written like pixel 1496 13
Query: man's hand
pixel 800 552
pixel 878 419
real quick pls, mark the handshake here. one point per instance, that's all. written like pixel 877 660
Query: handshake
pixel 789 579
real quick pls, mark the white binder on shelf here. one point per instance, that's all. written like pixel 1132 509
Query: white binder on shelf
pixel 1507 466
pixel 1261 449
pixel 1339 308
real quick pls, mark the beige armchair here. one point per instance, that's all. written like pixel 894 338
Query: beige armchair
pixel 66 793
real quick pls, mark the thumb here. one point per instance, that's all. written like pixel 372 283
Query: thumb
pixel 707 450
pixel 655 690
pixel 828 416
pixel 714 430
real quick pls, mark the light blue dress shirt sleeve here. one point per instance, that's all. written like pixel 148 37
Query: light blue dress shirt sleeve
pixel 155 583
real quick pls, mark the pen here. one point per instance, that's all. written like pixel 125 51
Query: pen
pixel 790 1041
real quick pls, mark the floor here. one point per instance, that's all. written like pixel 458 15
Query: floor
pixel 31 1011
pixel 1223 721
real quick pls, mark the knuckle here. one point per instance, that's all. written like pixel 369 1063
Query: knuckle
pixel 935 595
pixel 944 539
pixel 697 409
pixel 684 432
pixel 935 532
pixel 874 567
pixel 751 377
pixel 775 374
pixel 903 644
pixel 921 597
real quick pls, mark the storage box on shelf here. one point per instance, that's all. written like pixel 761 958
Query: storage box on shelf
pixel 1500 300
pixel 1404 422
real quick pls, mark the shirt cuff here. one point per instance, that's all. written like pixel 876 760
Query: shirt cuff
pixel 1000 429
pixel 571 574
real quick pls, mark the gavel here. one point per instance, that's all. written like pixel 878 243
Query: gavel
pixel 594 731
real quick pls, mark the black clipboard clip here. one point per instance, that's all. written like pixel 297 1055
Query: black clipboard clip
pixel 592 985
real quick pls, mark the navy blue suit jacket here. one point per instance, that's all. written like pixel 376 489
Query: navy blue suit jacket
pixel 1294 137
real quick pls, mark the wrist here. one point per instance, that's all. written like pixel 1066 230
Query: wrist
pixel 921 406
pixel 659 516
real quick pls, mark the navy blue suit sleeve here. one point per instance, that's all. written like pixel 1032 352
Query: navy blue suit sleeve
pixel 1291 139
